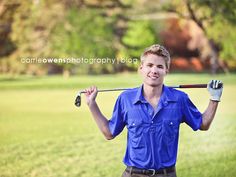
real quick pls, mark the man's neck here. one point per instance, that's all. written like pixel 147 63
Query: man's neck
pixel 150 92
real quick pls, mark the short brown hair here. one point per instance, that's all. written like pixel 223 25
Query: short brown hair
pixel 158 50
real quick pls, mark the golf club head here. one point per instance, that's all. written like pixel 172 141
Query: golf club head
pixel 78 100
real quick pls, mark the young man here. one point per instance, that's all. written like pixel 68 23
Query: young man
pixel 152 114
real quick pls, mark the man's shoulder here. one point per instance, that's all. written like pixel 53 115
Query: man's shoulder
pixel 130 93
pixel 176 91
pixel 127 97
pixel 178 94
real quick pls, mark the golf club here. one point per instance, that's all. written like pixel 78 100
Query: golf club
pixel 78 97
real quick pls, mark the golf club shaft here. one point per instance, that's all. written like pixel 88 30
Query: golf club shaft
pixel 108 90
pixel 78 97
pixel 177 86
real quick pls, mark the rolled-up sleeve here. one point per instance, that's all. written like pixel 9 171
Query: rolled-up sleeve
pixel 116 123
pixel 191 114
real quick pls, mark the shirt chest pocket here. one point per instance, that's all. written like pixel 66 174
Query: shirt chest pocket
pixel 135 131
pixel 135 121
pixel 170 130
pixel 135 126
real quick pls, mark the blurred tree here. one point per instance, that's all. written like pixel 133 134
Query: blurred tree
pixel 6 17
pixel 32 22
pixel 83 34
pixel 12 64
pixel 7 10
pixel 69 29
pixel 114 29
pixel 139 35
pixel 217 20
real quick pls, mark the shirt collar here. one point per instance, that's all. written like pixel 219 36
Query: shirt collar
pixel 166 96
pixel 139 96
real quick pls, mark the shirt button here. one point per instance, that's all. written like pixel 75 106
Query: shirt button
pixel 152 122
pixel 133 124
pixel 171 123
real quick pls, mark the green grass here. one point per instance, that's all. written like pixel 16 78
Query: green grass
pixel 42 134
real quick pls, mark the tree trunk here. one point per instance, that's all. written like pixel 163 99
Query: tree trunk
pixel 66 73
pixel 214 59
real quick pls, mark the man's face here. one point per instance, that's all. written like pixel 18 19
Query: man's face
pixel 153 70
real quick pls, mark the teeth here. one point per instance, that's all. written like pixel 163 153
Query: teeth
pixel 153 77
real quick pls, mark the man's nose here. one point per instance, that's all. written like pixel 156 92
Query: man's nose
pixel 154 69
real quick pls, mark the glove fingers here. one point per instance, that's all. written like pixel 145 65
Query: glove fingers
pixel 210 84
pixel 220 84
pixel 217 84
pixel 214 84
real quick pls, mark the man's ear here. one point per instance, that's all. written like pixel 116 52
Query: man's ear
pixel 167 71
pixel 140 68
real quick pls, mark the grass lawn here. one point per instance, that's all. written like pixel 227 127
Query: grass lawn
pixel 42 133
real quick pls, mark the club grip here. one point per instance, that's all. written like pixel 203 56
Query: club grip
pixel 193 86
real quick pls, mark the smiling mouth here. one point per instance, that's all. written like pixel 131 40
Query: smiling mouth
pixel 153 77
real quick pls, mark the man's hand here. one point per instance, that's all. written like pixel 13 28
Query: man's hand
pixel 215 88
pixel 91 94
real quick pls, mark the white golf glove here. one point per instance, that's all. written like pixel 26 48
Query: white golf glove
pixel 215 88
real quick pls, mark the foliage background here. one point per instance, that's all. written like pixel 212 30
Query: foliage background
pixel 114 29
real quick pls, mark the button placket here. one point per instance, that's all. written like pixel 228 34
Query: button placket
pixel 150 111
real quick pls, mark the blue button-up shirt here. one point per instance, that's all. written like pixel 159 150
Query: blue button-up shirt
pixel 152 140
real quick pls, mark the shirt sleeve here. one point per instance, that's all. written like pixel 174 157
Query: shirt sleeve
pixel 116 123
pixel 191 114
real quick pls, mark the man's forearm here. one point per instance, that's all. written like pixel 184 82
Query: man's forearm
pixel 208 115
pixel 100 119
